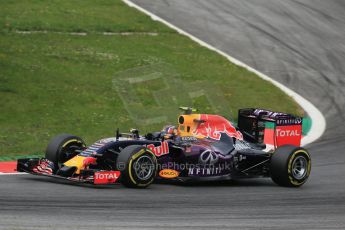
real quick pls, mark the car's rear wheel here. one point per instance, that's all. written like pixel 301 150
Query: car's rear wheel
pixel 62 148
pixel 290 166
pixel 138 166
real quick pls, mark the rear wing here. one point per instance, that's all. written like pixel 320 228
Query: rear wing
pixel 268 127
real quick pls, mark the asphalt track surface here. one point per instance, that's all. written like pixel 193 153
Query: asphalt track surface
pixel 299 43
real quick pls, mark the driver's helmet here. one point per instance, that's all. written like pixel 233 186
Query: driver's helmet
pixel 169 131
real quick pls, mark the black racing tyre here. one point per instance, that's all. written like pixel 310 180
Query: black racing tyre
pixel 290 166
pixel 62 148
pixel 138 166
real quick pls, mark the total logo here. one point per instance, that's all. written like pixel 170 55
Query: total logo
pixel 288 133
pixel 106 177
pixel 160 150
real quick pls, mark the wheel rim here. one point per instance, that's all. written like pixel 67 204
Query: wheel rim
pixel 144 167
pixel 299 167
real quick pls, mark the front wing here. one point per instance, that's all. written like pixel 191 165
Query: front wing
pixel 37 166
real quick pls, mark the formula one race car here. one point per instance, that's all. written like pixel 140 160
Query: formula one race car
pixel 202 147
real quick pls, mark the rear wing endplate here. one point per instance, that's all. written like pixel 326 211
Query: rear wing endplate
pixel 268 127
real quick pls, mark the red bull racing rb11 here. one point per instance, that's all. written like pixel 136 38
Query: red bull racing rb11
pixel 202 147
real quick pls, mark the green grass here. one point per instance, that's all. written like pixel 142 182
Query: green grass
pixel 74 16
pixel 56 82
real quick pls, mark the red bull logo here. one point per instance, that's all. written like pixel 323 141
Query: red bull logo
pixel 159 150
pixel 213 126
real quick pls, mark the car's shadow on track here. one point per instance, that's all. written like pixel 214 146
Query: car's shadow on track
pixel 231 183
pixel 70 183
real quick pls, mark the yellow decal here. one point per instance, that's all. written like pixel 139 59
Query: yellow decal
pixel 77 161
pixel 70 141
pixel 168 173
pixel 135 156
pixel 189 125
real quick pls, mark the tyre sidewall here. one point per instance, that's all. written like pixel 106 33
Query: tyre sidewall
pixel 128 157
pixel 57 144
pixel 282 162
pixel 297 153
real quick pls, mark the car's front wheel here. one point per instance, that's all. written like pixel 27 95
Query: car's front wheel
pixel 290 166
pixel 62 148
pixel 138 166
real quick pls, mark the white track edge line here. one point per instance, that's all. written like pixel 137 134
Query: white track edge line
pixel 14 173
pixel 318 126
